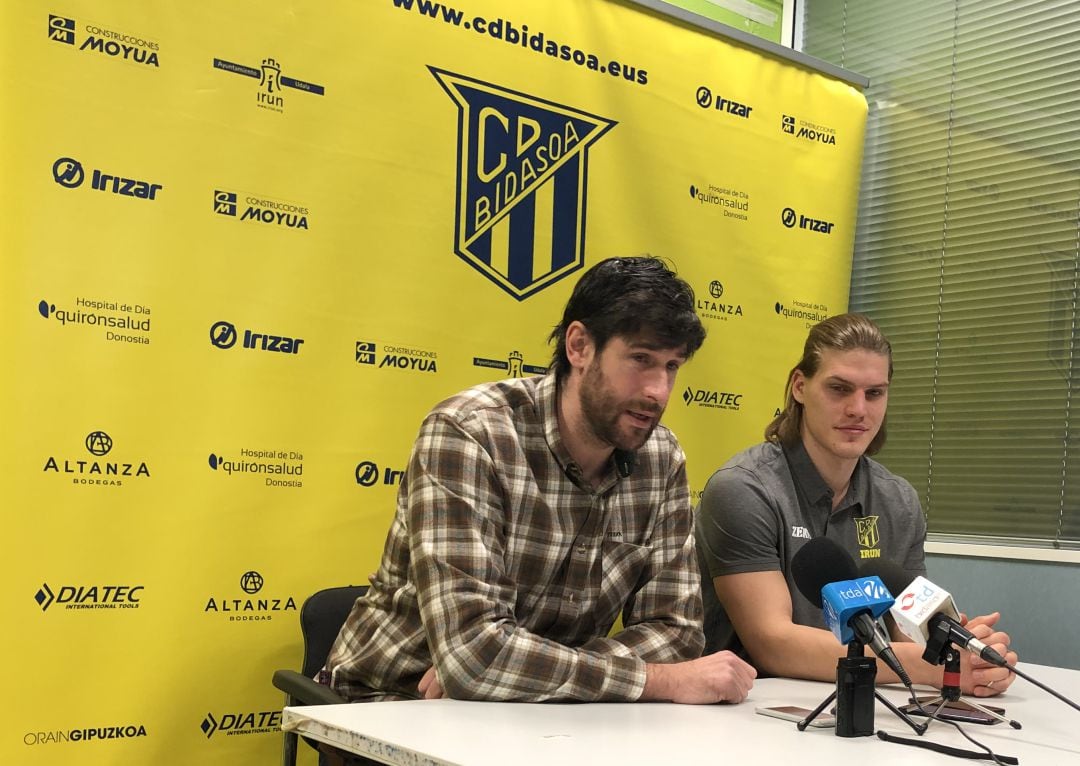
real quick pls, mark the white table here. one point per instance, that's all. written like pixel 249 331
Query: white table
pixel 457 733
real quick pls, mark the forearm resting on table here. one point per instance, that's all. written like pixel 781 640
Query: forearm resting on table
pixel 719 677
pixel 795 651
pixel 799 651
pixel 812 653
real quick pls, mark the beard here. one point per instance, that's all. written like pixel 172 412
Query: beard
pixel 602 412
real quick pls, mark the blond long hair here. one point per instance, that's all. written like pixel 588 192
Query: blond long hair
pixel 843 332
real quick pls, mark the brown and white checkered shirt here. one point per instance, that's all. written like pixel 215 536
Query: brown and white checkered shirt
pixel 506 570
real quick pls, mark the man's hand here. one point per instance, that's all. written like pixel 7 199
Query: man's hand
pixel 977 676
pixel 720 677
pixel 429 686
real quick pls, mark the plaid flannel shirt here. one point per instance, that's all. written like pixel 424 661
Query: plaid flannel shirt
pixel 506 570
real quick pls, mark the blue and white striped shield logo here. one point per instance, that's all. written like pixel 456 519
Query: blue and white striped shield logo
pixel 521 178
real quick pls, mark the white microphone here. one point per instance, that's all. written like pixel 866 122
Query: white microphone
pixel 923 608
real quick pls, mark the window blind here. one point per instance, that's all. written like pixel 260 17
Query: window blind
pixel 967 251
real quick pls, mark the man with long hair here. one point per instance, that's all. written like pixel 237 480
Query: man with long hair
pixel 813 477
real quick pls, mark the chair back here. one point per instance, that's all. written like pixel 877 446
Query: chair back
pixel 321 618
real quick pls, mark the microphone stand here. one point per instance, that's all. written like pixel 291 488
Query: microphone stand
pixel 940 650
pixel 854 693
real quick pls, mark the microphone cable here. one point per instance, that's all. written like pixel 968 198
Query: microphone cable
pixel 1044 687
pixel 986 755
pixel 989 755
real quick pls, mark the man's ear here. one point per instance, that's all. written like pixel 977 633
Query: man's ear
pixel 580 347
pixel 798 386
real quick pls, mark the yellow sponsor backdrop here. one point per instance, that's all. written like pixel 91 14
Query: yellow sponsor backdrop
pixel 171 495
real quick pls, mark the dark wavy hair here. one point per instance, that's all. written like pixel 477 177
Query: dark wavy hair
pixel 843 332
pixel 630 297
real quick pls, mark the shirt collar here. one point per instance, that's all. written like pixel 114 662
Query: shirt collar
pixel 547 396
pixel 813 487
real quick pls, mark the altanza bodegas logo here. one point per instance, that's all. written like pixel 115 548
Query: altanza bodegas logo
pixel 100 468
pixel 522 170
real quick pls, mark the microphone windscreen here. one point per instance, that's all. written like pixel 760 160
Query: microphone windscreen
pixel 895 577
pixel 817 563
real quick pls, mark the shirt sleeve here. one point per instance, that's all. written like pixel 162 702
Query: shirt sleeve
pixel 915 560
pixel 663 619
pixel 457 539
pixel 738 525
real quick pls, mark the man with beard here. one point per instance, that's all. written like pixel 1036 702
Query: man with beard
pixel 535 512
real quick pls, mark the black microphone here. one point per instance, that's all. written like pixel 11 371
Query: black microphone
pixel 822 562
pixel 817 563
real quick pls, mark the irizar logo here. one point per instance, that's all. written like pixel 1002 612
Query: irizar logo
pixel 789 219
pixel 223 335
pixel 263 722
pixel 522 170
pixel 90 596
pixel 367 474
pixel 706 100
pixel 69 173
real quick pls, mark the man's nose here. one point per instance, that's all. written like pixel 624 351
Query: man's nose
pixel 658 385
pixel 856 403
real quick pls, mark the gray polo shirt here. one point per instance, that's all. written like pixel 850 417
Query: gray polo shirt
pixel 765 503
